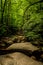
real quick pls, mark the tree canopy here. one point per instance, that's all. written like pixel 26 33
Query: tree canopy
pixel 22 15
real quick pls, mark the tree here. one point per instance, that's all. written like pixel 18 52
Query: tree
pixel 3 9
pixel 4 16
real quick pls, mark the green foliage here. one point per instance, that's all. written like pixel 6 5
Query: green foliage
pixel 11 14
pixel 3 30
pixel 33 22
pixel 22 15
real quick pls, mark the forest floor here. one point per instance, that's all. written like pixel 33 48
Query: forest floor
pixel 20 52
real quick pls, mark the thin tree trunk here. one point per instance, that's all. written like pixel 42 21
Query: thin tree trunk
pixel 2 10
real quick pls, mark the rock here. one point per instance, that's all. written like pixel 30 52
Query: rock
pixel 15 39
pixel 7 40
pixel 2 45
pixel 19 39
pixel 17 59
pixel 42 56
pixel 24 46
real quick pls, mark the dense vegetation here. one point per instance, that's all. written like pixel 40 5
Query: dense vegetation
pixel 23 16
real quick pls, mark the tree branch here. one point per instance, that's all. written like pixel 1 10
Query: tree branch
pixel 29 7
pixel 33 4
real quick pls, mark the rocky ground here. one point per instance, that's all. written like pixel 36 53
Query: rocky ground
pixel 18 58
pixel 16 51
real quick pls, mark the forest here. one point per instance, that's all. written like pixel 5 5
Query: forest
pixel 21 28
